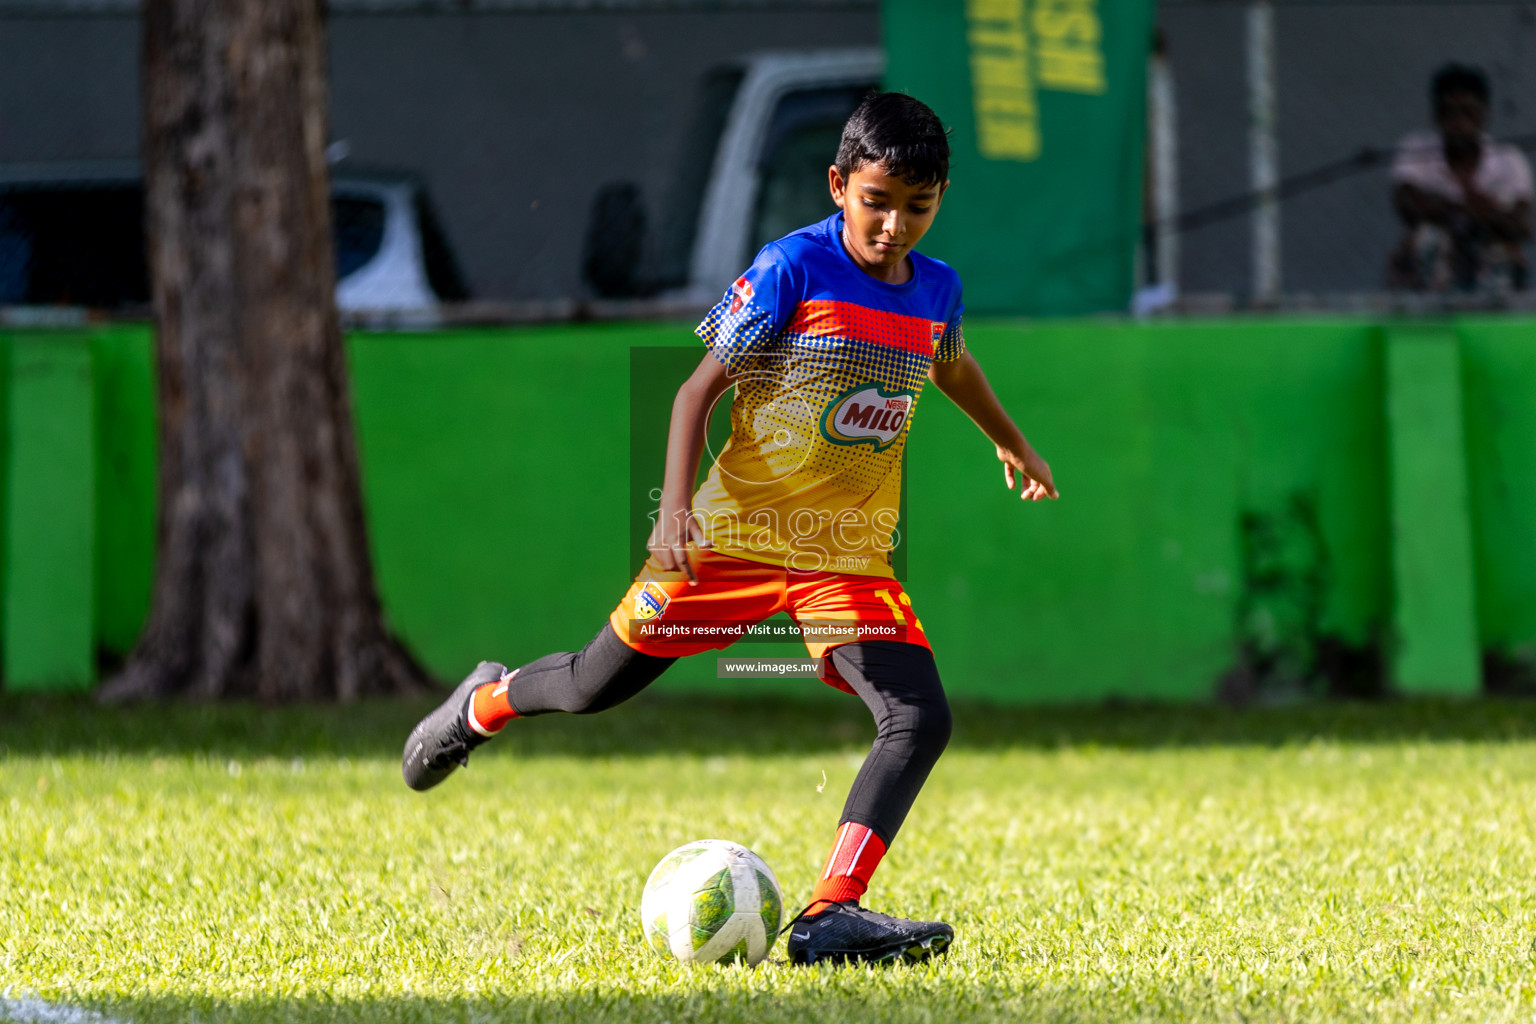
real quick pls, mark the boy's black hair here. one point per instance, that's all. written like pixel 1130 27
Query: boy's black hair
pixel 902 133
pixel 1459 78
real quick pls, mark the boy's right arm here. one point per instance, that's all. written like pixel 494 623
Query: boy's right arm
pixel 675 525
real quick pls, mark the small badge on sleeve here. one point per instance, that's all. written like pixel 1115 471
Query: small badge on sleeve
pixel 741 294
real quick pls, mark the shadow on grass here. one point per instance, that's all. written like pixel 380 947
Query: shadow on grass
pixel 907 995
pixel 709 725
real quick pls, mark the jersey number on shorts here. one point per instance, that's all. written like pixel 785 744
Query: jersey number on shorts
pixel 901 619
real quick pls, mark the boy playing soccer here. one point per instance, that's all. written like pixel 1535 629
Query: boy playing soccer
pixel 827 338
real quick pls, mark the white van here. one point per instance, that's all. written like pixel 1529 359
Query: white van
pixel 753 170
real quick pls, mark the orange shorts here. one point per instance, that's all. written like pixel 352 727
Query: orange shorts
pixel 663 615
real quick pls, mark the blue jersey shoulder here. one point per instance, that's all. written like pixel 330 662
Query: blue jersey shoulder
pixel 937 270
pixel 827 272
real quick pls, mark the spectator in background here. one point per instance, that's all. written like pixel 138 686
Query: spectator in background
pixel 1465 200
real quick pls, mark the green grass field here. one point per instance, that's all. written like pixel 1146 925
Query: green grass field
pixel 1336 862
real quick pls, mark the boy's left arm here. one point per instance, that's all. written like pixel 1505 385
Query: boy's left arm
pixel 962 380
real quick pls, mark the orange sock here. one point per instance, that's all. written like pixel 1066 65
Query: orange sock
pixel 490 708
pixel 854 858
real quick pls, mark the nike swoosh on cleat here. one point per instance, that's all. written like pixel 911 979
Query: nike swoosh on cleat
pixel 799 935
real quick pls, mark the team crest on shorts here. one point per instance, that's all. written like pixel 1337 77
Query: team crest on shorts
pixel 651 602
pixel 741 294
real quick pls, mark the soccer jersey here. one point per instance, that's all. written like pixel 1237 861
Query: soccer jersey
pixel 829 364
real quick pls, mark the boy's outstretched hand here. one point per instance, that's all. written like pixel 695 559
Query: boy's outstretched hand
pixel 1034 474
pixel 962 380
pixel 673 532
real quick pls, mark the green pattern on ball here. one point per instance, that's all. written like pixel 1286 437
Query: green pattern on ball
pixel 713 904
pixel 771 910
pixel 656 934
pixel 738 952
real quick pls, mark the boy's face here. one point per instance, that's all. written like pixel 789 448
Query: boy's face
pixel 884 217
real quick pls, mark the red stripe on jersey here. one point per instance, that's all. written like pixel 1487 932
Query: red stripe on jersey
pixel 831 319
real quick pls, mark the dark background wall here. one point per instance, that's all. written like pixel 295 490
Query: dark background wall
pixel 517 120
pixel 1348 75
pixel 517 114
pixel 514 119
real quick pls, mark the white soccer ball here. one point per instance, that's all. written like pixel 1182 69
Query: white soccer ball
pixel 712 901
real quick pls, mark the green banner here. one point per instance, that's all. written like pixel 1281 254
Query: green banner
pixel 1047 99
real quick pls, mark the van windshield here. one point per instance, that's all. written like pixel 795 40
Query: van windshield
pixel 81 243
pixel 357 225
pixel 73 245
pixel 800 145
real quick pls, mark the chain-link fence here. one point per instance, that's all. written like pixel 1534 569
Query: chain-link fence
pixel 538 158
pixel 1278 129
pixel 541 152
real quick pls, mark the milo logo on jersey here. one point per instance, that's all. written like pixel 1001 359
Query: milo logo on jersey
pixel 867 414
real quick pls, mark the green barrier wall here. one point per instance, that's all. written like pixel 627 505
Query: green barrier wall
pixel 1499 379
pixel 1228 501
pixel 49 538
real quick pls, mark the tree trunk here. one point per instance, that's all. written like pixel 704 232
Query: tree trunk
pixel 263 582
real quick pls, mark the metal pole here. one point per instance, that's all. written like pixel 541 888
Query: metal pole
pixel 1165 173
pixel 1263 150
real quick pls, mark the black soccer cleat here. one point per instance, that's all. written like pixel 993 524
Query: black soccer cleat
pixel 847 932
pixel 442 741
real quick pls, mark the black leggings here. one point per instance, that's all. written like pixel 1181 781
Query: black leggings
pixel 898 682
